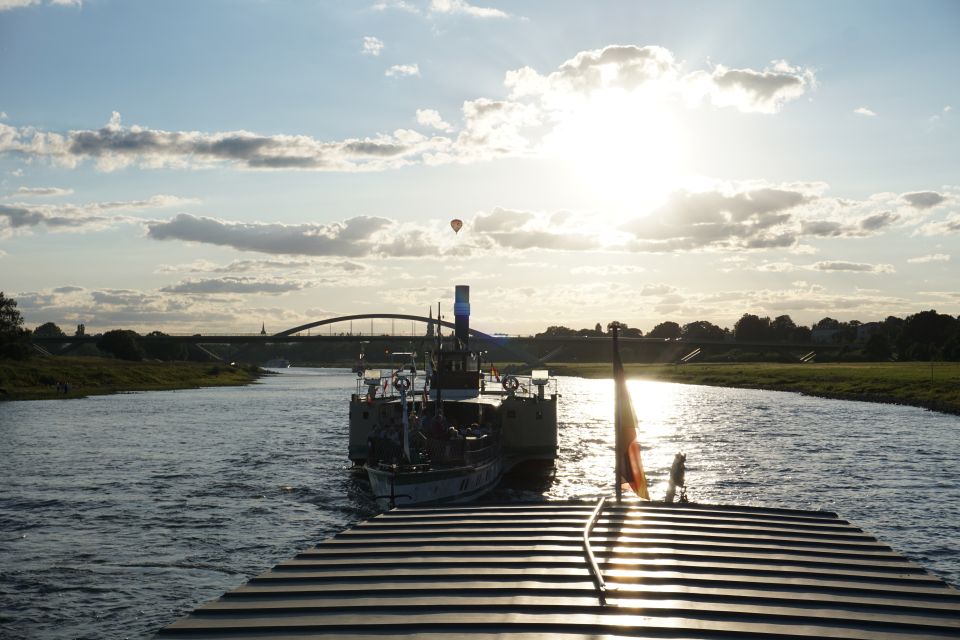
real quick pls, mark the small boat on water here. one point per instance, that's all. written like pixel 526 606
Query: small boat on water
pixel 448 431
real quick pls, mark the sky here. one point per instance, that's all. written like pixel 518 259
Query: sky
pixel 215 165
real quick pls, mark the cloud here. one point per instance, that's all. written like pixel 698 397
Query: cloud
pixel 234 284
pixel 6 5
pixel 432 118
pixel 653 68
pixel 372 46
pixel 924 199
pixel 936 257
pixel 519 230
pixel 355 237
pixel 947 226
pixel 465 8
pixel 260 266
pixel 863 111
pixel 719 219
pixel 496 128
pixel 607 270
pixel 349 238
pixel 777 267
pixel 401 70
pixel 749 90
pixel 937 116
pixel 860 267
pixel 399 5
pixel 79 216
pixel 649 290
pixel 115 146
pixel 28 192
pixel 537 107
pixel 722 217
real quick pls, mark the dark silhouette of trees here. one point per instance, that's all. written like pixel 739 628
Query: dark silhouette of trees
pixel 782 328
pixel 164 349
pixel 878 348
pixel 928 335
pixel 14 339
pixel 751 328
pixel 666 330
pixel 49 330
pixel 557 331
pixel 801 334
pixel 826 323
pixel 702 330
pixel 122 343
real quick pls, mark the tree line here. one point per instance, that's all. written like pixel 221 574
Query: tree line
pixel 922 336
pixel 926 335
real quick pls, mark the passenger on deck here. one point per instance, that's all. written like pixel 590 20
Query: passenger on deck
pixel 437 427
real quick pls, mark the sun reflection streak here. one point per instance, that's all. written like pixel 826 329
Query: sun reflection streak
pixel 587 436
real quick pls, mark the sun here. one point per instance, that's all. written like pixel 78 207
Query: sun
pixel 627 148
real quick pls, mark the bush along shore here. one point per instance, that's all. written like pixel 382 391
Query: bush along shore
pixel 78 377
pixel 931 385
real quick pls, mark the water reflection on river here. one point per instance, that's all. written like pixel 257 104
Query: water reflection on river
pixel 120 513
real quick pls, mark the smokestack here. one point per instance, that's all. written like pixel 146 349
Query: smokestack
pixel 461 313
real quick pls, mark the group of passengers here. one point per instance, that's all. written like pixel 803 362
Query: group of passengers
pixel 385 442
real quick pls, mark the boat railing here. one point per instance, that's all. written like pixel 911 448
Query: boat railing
pixel 480 449
pixel 524 386
pixel 469 450
pixel 591 559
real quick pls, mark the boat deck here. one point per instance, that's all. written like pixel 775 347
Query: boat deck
pixel 519 570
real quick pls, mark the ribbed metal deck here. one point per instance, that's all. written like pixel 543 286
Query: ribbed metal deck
pixel 519 570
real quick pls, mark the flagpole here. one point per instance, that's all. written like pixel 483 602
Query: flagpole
pixel 614 329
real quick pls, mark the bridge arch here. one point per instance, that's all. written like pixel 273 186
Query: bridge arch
pixel 485 337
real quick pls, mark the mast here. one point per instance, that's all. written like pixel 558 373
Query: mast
pixel 614 329
pixel 438 410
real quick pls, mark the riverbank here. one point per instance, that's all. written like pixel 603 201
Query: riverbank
pixel 931 385
pixel 78 377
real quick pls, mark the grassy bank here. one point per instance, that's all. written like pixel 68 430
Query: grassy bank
pixel 38 378
pixel 933 385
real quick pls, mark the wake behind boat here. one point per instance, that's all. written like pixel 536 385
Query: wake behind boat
pixel 448 432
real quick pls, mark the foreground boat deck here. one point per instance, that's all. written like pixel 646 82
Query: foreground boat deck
pixel 519 570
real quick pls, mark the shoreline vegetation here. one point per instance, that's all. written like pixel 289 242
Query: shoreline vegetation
pixel 929 385
pixel 81 376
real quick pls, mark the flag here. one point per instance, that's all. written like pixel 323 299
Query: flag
pixel 628 448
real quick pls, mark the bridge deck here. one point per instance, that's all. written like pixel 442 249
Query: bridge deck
pixel 518 571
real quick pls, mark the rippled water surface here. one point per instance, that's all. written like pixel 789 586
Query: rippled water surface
pixel 119 514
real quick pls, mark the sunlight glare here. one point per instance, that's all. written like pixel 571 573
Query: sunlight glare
pixel 626 147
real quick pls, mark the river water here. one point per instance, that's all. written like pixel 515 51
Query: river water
pixel 118 514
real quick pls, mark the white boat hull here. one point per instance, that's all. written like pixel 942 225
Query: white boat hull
pixel 396 487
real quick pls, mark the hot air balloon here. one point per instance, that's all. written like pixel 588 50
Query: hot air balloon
pixel 456 224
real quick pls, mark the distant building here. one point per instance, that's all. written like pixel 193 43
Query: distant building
pixel 430 324
pixel 263 329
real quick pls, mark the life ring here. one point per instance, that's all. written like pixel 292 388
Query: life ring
pixel 401 384
pixel 510 383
